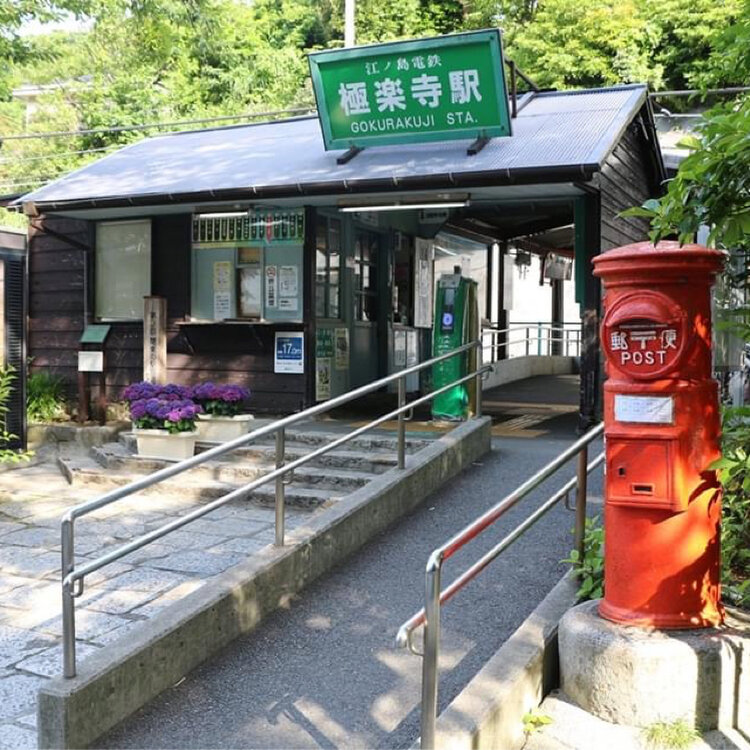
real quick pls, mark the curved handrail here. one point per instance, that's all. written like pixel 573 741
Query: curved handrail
pixel 429 616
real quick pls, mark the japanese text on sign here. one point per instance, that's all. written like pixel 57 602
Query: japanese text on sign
pixel 430 89
pixel 643 345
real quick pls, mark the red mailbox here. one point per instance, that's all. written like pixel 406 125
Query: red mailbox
pixel 661 415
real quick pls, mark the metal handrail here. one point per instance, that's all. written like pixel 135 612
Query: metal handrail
pixel 429 616
pixel 551 333
pixel 73 577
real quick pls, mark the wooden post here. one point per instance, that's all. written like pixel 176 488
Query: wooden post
pixel 83 397
pixel 588 295
pixel 155 339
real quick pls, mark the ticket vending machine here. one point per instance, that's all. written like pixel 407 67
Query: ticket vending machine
pixel 456 323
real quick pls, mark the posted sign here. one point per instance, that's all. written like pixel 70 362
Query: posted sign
pixel 437 89
pixel 289 352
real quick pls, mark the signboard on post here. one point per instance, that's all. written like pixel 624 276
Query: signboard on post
pixel 438 89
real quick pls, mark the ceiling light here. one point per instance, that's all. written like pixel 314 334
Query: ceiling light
pixel 401 207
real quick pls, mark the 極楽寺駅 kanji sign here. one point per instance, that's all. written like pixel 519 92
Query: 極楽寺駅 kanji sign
pixel 405 92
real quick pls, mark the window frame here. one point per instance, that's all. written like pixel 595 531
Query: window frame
pixel 325 286
pixel 147 223
pixel 361 293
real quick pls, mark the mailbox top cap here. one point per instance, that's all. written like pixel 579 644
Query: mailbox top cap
pixel 667 253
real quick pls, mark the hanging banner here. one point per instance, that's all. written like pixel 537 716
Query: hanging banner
pixel 434 89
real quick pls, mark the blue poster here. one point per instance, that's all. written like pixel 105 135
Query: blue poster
pixel 289 352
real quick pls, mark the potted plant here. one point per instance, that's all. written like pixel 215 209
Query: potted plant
pixel 163 420
pixel 221 418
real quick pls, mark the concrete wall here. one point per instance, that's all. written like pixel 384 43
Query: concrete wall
pixel 113 684
pixel 488 713
pixel 518 368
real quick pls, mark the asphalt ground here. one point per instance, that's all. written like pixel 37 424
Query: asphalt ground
pixel 325 671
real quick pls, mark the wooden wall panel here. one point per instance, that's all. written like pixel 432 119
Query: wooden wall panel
pixel 626 180
pixel 56 302
pixel 241 354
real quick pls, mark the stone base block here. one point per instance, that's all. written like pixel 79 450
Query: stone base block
pixel 638 676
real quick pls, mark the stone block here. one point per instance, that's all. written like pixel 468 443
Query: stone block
pixel 638 676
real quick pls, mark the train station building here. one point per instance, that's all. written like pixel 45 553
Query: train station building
pixel 303 272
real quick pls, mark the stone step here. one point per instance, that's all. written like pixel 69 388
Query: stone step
pixel 569 727
pixel 86 472
pixel 370 462
pixel 317 437
pixel 233 469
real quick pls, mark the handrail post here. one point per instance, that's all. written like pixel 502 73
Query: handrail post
pixel 527 341
pixel 581 492
pixel 431 647
pixel 539 339
pixel 401 424
pixel 478 385
pixel 68 600
pixel 279 505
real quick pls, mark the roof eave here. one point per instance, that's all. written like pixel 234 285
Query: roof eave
pixel 509 176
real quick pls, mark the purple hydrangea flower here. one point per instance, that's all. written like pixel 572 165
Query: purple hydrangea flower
pixel 220 400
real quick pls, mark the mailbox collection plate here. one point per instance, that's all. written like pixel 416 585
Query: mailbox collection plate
pixel 644 409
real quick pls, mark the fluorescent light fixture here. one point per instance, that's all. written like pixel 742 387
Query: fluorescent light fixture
pixel 401 207
pixel 224 215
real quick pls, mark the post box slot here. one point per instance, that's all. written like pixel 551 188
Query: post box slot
pixel 641 472
pixel 642 489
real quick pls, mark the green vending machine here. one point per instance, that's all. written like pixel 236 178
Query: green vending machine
pixel 456 323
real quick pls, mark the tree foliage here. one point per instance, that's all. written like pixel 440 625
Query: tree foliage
pixel 17 48
pixel 143 61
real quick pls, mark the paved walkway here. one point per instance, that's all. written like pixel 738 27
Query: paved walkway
pixel 117 598
pixel 325 672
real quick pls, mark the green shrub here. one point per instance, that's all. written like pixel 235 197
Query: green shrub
pixel 733 470
pixel 675 735
pixel 45 398
pixel 8 455
pixel 590 570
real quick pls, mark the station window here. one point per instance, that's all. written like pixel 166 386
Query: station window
pixel 328 268
pixel 122 269
pixel 365 275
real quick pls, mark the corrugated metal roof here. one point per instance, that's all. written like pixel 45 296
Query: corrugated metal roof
pixel 555 129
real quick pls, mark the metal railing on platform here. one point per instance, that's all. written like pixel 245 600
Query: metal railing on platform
pixel 73 575
pixel 429 617
pixel 531 339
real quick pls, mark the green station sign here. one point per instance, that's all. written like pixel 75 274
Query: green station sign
pixel 436 89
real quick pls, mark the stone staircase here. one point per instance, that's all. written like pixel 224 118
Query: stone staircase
pixel 321 482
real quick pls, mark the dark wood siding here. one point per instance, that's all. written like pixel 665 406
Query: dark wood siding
pixel 227 353
pixel 57 308
pixel 627 179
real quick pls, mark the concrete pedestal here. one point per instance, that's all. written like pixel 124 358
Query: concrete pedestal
pixel 637 676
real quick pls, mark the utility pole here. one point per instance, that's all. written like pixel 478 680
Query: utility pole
pixel 349 23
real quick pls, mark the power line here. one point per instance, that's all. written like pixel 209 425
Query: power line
pixel 56 154
pixel 148 126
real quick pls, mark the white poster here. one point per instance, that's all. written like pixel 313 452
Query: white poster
pixel 423 283
pixel 341 347
pixel 288 284
pixel 289 304
pixel 222 305
pixel 272 291
pixel 322 378
pixel 289 352
pixel 399 349
pixel 222 276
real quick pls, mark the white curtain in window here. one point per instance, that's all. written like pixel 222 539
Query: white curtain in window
pixel 123 269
